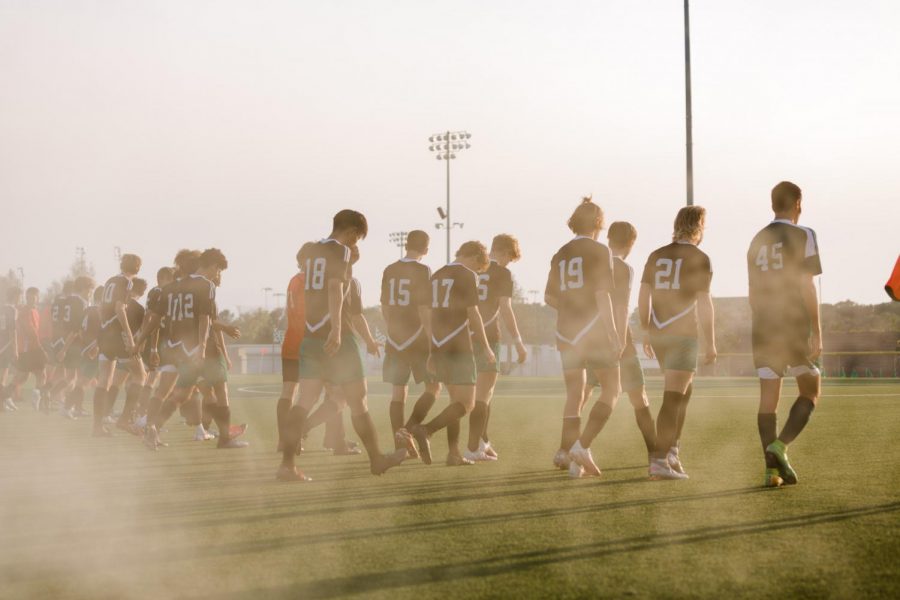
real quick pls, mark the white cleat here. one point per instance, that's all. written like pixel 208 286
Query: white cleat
pixel 487 449
pixel 478 456
pixel 660 469
pixel 35 400
pixel 583 457
pixel 10 405
pixel 201 435
pixel 674 461
pixel 561 460
pixel 141 423
pixel 576 471
pixel 70 414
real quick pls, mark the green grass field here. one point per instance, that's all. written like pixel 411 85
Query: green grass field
pixel 91 518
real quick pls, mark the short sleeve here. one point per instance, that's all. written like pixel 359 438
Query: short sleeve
pixel 702 274
pixel 812 264
pixel 354 305
pixel 337 266
pixel 552 288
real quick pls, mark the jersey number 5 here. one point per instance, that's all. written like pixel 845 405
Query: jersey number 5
pixel 483 287
pixel 315 273
pixel 762 257
pixel 571 274
pixel 447 284
pixel 399 292
pixel 665 279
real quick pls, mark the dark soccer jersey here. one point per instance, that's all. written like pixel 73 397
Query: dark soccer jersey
pixel 328 260
pixel 57 316
pixel 778 257
pixel 405 286
pixel 7 326
pixel 675 273
pixel 90 327
pixel 115 291
pixel 352 304
pixel 623 276
pixel 578 271
pixel 135 313
pixel 493 284
pixel 454 289
pixel 73 313
pixel 189 300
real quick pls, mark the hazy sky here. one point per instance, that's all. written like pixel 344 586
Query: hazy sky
pixel 160 125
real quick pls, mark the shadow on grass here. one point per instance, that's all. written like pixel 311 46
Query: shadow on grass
pixel 332 587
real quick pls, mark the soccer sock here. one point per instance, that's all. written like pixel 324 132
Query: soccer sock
pixel 78 397
pixel 293 430
pixel 767 423
pixel 207 415
pixel 597 419
pixel 112 394
pixel 477 418
pixel 452 414
pixel 645 423
pixel 396 413
pixel 453 430
pixel 667 423
pixel 421 408
pixel 132 392
pixel 797 419
pixel 281 411
pixel 682 412
pixel 319 416
pixel 571 430
pixel 222 416
pixel 99 402
pixel 165 412
pixel 153 407
pixel 365 429
pixel 487 418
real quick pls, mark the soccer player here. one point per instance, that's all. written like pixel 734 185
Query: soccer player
pixel 406 306
pixel 116 341
pixel 9 346
pixel 32 358
pixel 192 311
pixel 71 314
pixel 674 299
pixel 495 290
pixel 89 364
pixel 293 337
pixel 329 352
pixel 150 353
pixel 782 261
pixel 131 369
pixel 578 287
pixel 454 312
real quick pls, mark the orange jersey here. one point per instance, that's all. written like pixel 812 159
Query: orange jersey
pixel 29 326
pixel 892 287
pixel 296 317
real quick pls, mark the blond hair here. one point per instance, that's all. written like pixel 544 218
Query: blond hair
pixel 586 218
pixel 507 243
pixel 621 234
pixel 689 223
pixel 477 250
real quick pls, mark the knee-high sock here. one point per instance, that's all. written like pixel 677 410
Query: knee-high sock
pixel 667 423
pixel 281 411
pixel 571 431
pixel 112 394
pixel 453 431
pixel 99 402
pixel 153 407
pixel 365 429
pixel 208 414
pixel 797 419
pixel 69 401
pixel 645 423
pixel 598 418
pixel 132 392
pixel 476 424
pixel 682 412
pixel 420 409
pixel 320 416
pixel 452 414
pixel 222 416
pixel 165 412
pixel 487 418
pixel 293 431
pixel 767 424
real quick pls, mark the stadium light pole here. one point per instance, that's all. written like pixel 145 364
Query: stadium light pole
pixel 445 145
pixel 398 238
pixel 687 105
pixel 266 291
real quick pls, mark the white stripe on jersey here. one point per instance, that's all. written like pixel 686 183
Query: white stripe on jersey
pixel 581 333
pixel 451 336
pixel 664 324
pixel 812 248
pixel 408 342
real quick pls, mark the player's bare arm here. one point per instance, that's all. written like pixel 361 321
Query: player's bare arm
pixel 512 326
pixel 811 302
pixel 361 325
pixel 203 326
pixel 229 330
pixel 644 317
pixel 122 316
pixel 707 317
pixel 607 319
pixel 476 324
pixel 335 307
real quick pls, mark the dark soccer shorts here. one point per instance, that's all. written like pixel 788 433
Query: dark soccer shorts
pixel 344 367
pixel 112 345
pixel 675 352
pixel 481 363
pixel 6 357
pixel 32 361
pixel 455 368
pixel 290 370
pixel 399 366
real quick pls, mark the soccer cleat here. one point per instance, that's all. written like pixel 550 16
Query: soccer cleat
pixel 576 471
pixel 478 456
pixel 235 431
pixel 35 400
pixel 488 449
pixel 660 470
pixel 561 460
pixel 583 457
pixel 151 438
pixel 128 427
pixel 80 412
pixel 201 435
pixel 405 440
pixel 421 436
pixel 347 450
pixel 291 474
pixel 457 460
pixel 70 414
pixel 778 451
pixel 231 444
pixel 8 404
pixel 674 460
pixel 382 463
pixel 773 479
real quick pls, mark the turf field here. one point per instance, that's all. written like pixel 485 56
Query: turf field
pixel 109 519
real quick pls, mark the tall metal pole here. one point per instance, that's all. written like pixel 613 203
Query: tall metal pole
pixel 448 197
pixel 687 105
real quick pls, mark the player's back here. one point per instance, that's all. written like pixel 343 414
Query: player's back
pixel 115 290
pixel 405 286
pixel 325 261
pixel 7 324
pixel 73 313
pixel 190 298
pixel 454 289
pixel 495 283
pixel 578 270
pixel 777 259
pixel 134 311
pixel 676 272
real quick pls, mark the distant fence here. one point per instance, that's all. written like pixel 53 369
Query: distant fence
pixel 834 364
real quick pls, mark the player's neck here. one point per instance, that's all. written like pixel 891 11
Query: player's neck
pixel 787 216
pixel 502 261
pixel 413 256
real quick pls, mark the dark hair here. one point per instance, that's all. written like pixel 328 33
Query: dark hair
pixel 586 218
pixel 13 294
pixel 784 195
pixel 165 273
pixel 213 257
pixel 32 291
pixel 302 252
pixel 417 241
pixel 351 219
pixel 83 284
pixel 187 262
pixel 130 264
pixel 138 287
pixel 621 233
